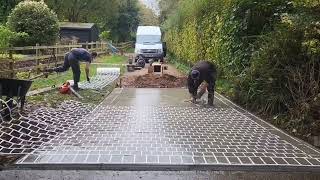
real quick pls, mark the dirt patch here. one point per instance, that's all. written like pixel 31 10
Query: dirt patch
pixel 171 78
pixel 153 81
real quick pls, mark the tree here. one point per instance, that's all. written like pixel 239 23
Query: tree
pixel 102 12
pixel 128 21
pixel 167 7
pixel 120 17
pixel 5 8
pixel 104 36
pixel 147 16
pixel 35 19
pixel 83 10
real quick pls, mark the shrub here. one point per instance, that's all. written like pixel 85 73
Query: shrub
pixel 35 19
pixel 285 73
pixel 5 37
pixel 8 37
pixel 105 35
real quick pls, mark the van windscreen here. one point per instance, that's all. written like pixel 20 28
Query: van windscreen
pixel 146 39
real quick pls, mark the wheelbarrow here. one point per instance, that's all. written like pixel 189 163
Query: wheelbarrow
pixel 13 88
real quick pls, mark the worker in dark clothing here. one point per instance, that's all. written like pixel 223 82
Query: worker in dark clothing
pixel 202 71
pixel 72 59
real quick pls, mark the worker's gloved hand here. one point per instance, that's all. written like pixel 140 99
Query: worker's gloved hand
pixel 49 70
pixel 88 79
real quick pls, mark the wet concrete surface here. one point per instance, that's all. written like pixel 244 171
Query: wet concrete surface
pixel 157 129
pixel 154 97
pixel 153 175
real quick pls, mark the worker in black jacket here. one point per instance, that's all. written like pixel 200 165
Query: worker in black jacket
pixel 72 59
pixel 202 71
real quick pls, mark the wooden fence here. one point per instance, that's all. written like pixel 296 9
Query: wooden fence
pixel 34 58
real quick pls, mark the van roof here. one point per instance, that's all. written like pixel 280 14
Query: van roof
pixel 149 30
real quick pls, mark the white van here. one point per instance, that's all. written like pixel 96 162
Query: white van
pixel 148 44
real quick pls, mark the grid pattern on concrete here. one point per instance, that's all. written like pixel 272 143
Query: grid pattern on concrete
pixel 170 136
pixel 26 134
pixel 104 77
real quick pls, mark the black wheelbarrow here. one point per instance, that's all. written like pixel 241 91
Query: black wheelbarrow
pixel 13 88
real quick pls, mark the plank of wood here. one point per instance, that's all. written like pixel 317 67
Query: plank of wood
pixel 39 91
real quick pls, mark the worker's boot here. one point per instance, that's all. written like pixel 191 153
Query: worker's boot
pixel 210 99
pixel 76 87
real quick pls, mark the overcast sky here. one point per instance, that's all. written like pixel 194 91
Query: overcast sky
pixel 152 4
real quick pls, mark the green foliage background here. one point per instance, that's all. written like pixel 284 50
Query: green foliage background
pixel 5 8
pixel 268 50
pixel 120 17
pixel 8 37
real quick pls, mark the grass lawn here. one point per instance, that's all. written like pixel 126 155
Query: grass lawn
pixel 60 78
pixel 55 98
pixel 113 59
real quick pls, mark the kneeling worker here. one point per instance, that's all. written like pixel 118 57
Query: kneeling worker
pixel 202 71
pixel 72 59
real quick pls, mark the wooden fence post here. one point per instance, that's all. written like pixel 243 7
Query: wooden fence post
pixel 97 46
pixel 37 59
pixel 56 53
pixel 92 46
pixel 87 45
pixel 11 64
pixel 101 46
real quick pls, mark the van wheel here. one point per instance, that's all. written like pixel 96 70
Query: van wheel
pixel 141 63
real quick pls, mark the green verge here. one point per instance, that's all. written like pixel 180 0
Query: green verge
pixel 59 78
pixel 54 98
pixel 113 59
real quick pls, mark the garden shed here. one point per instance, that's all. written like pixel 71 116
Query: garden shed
pixel 83 32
